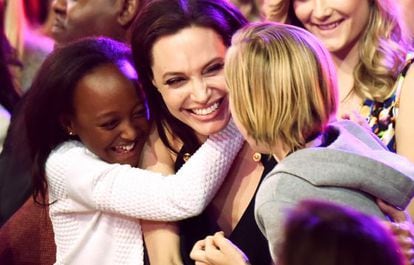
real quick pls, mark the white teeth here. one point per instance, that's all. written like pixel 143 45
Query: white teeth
pixel 124 148
pixel 208 110
pixel 328 26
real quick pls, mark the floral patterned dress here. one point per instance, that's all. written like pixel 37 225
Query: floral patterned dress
pixel 381 116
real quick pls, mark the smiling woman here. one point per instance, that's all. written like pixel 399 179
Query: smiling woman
pixel 372 51
pixel 193 89
pixel 87 122
pixel 371 46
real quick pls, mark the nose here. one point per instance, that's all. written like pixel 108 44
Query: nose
pixel 59 6
pixel 321 9
pixel 128 131
pixel 200 91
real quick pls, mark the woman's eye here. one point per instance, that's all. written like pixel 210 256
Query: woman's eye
pixel 140 114
pixel 215 68
pixel 175 82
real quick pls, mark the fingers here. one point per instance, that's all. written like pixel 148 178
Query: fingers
pixel 217 250
pixel 345 116
pixel 205 251
pixel 402 230
pixel 396 215
pixel 356 117
pixel 198 253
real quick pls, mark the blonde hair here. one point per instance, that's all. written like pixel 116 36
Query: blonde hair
pixel 382 51
pixel 282 84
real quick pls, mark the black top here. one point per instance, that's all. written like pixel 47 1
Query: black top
pixel 246 235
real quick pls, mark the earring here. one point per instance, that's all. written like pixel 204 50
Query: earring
pixel 70 133
pixel 257 157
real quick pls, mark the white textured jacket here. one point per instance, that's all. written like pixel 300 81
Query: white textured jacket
pixel 97 205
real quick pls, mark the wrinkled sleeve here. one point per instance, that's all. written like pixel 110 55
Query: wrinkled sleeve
pixel 75 173
pixel 271 208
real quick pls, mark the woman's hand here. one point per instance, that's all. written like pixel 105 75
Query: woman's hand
pixel 357 118
pixel 217 250
pixel 402 229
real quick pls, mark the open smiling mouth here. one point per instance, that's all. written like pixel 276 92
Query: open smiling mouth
pixel 124 148
pixel 206 111
pixel 329 26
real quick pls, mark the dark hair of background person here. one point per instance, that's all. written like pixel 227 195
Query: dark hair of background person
pixel 160 18
pixel 322 233
pixel 8 94
pixel 51 93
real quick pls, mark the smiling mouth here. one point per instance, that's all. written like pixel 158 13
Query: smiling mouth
pixel 57 24
pixel 208 110
pixel 328 26
pixel 123 148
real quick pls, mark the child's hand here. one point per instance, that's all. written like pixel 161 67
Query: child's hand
pixel 357 118
pixel 402 229
pixel 217 250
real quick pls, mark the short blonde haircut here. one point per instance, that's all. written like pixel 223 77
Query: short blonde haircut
pixel 282 84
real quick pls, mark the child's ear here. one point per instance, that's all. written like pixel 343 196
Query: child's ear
pixel 67 125
pixel 129 9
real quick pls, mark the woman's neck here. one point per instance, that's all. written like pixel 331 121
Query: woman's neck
pixel 280 151
pixel 201 138
pixel 345 63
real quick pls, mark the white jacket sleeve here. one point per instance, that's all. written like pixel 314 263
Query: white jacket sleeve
pixel 76 174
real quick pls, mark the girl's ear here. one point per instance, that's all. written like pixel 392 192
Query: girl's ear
pixel 67 125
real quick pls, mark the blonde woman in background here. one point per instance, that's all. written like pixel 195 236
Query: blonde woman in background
pixel 372 52
pixel 370 46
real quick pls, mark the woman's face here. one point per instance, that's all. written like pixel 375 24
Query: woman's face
pixel 188 72
pixel 406 6
pixel 109 117
pixel 338 24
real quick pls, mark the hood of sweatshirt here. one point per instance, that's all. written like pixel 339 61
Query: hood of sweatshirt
pixel 352 157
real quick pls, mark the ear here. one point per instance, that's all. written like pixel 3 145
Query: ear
pixel 129 9
pixel 67 125
pixel 155 84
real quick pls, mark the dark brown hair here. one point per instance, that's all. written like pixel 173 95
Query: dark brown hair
pixel 51 94
pixel 322 233
pixel 165 17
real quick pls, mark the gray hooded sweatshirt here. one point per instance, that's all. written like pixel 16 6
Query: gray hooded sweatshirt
pixel 352 168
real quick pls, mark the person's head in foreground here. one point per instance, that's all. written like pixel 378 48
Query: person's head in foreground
pixel 282 87
pixel 322 233
pixel 86 91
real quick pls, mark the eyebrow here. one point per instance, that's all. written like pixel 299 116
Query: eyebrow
pixel 140 106
pixel 203 67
